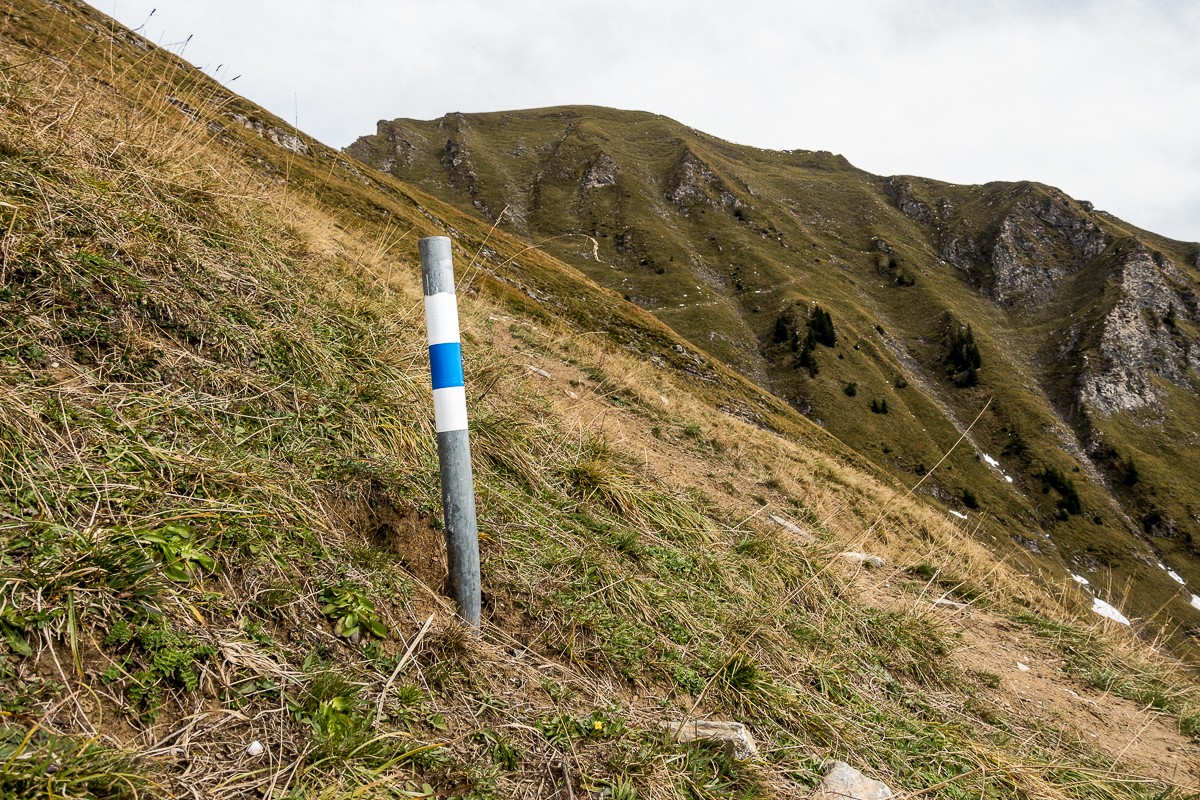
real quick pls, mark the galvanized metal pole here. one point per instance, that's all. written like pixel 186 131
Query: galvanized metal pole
pixel 450 420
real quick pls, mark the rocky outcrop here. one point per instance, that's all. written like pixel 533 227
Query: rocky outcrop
pixel 1042 239
pixel 901 193
pixel 394 148
pixel 1142 338
pixel 277 136
pixel 692 182
pixel 456 160
pixel 601 172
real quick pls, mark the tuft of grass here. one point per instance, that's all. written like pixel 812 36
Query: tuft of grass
pixel 36 762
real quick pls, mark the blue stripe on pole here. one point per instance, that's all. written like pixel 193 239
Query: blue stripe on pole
pixel 445 362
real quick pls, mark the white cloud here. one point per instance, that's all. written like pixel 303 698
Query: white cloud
pixel 1100 98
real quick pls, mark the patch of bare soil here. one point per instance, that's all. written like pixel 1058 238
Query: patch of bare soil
pixel 401 530
pixel 1035 686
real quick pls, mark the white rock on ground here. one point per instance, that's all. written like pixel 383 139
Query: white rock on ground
pixel 865 559
pixel 735 736
pixel 844 782
pixel 791 527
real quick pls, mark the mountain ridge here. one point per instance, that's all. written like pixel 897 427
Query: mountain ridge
pixel 1084 326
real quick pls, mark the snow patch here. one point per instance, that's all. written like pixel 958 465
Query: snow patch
pixel 1196 601
pixel 1105 610
pixel 958 514
pixel 1175 576
pixel 1082 581
pixel 994 464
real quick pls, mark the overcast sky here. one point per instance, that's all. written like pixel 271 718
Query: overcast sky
pixel 1098 97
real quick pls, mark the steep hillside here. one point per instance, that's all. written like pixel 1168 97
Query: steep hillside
pixel 891 311
pixel 221 562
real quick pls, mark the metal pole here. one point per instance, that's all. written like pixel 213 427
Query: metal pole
pixel 450 420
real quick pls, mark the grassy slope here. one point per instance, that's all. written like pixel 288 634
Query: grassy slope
pixel 215 445
pixel 758 231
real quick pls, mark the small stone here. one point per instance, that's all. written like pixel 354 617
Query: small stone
pixel 791 527
pixel 943 602
pixel 865 559
pixel 255 749
pixel 735 736
pixel 1023 667
pixel 844 782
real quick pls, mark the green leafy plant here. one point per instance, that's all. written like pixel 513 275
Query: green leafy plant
pixel 352 612
pixel 162 657
pixel 183 559
pixel 504 753
pixel 620 789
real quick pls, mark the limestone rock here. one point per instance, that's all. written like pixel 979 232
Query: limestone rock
pixel 904 196
pixel 277 136
pixel 1140 339
pixel 1043 238
pixel 601 172
pixel 734 736
pixel 693 182
pixel 844 782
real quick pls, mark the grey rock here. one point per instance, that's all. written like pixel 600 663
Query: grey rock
pixel 734 736
pixel 904 196
pixel 1040 241
pixel 693 182
pixel 277 136
pixel 844 782
pixel 1137 344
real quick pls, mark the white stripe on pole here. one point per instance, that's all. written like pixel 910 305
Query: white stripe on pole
pixel 450 409
pixel 441 317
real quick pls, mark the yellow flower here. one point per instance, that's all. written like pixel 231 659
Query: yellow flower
pixel 597 725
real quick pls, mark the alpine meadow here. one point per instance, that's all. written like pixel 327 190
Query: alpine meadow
pixel 873 470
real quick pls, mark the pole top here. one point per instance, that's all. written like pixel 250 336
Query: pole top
pixel 437 265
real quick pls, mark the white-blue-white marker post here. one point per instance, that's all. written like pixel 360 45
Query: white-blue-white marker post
pixel 450 420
